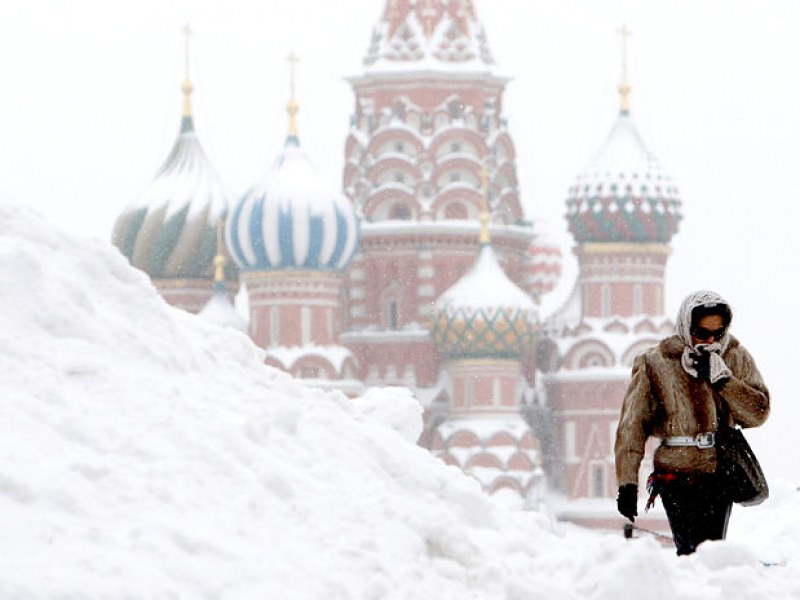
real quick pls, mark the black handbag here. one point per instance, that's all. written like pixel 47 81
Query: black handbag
pixel 738 468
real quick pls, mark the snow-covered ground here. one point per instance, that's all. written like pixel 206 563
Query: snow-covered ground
pixel 147 454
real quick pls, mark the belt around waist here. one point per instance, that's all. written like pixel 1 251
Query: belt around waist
pixel 701 440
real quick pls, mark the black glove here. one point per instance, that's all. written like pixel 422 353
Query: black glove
pixel 626 501
pixel 719 385
pixel 702 363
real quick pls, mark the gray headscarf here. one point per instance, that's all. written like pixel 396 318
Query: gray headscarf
pixel 683 327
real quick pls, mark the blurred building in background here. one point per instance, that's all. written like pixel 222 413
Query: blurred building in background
pixel 424 271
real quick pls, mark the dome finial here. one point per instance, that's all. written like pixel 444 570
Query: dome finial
pixel 186 87
pixel 219 259
pixel 484 239
pixel 624 87
pixel 292 107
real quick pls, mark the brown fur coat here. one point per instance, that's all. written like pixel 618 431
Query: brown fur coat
pixel 663 400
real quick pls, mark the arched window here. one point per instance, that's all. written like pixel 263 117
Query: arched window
pixel 638 299
pixel 469 391
pixel 392 315
pixel 605 300
pixel 274 326
pixel 307 372
pixel 399 109
pixel 456 109
pixel 391 306
pixel 400 212
pixel 305 325
pixel 455 210
pixel 598 482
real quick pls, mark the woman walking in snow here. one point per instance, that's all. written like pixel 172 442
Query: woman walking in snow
pixel 682 391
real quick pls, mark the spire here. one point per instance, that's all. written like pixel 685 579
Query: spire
pixel 292 106
pixel 219 260
pixel 187 88
pixel 484 239
pixel 624 87
pixel 422 33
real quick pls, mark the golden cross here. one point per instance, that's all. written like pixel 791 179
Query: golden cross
pixel 625 33
pixel 187 31
pixel 293 60
pixel 624 87
pixel 292 107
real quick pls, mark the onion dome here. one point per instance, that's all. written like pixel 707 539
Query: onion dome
pixel 484 314
pixel 543 270
pixel 169 230
pixel 292 219
pixel 623 195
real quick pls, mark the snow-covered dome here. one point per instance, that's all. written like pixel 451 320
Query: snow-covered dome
pixel 484 313
pixel 169 231
pixel 623 195
pixel 543 270
pixel 292 219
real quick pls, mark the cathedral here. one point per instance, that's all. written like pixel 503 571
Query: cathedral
pixel 422 269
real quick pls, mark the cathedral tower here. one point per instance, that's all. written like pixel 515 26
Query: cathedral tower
pixel 428 119
pixel 622 210
pixel 169 231
pixel 292 236
pixel 484 326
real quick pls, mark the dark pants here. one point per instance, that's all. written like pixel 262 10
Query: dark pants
pixel 697 510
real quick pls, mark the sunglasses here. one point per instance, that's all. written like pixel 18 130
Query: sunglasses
pixel 701 333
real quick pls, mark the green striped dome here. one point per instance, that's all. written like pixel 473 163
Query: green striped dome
pixel 170 231
pixel 484 314
pixel 623 194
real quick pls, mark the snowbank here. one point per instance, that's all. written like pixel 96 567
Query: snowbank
pixel 147 454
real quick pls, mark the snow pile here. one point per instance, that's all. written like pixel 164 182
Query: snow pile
pixel 145 453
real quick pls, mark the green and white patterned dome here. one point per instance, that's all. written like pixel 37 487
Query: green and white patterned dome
pixel 484 314
pixel 169 231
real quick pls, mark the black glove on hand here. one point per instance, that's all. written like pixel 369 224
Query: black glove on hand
pixel 702 363
pixel 626 501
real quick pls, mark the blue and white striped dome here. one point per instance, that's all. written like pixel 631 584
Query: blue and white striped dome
pixel 292 220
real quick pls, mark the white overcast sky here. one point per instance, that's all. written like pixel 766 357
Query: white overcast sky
pixel 90 104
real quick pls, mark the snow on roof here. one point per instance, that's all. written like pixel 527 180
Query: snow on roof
pixel 486 426
pixel 386 336
pixel 623 161
pixel 486 286
pixel 289 355
pixel 619 335
pixel 219 310
pixel 147 453
pixel 292 219
pixel 462 226
pixel 169 230
pixel 185 179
